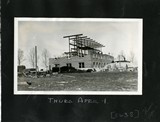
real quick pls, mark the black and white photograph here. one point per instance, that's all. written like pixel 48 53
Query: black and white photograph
pixel 80 61
pixel 68 56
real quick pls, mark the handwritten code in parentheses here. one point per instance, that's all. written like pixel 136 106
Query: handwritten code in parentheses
pixel 132 114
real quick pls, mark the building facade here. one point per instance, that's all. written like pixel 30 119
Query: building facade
pixel 84 53
pixel 88 61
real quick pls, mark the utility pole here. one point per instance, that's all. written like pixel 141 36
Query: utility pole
pixel 36 58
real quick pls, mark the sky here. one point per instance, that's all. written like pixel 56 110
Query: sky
pixel 116 36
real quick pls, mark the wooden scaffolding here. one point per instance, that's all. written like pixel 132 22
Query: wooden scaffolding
pixel 79 45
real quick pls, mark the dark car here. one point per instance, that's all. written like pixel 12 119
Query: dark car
pixel 66 69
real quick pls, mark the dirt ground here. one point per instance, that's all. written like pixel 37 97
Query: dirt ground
pixel 97 81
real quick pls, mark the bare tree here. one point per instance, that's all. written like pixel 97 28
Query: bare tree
pixel 132 56
pixel 20 56
pixel 121 56
pixel 31 57
pixel 45 58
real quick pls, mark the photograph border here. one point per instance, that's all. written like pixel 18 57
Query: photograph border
pixel 140 60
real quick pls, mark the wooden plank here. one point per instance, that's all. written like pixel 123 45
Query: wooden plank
pixel 81 37
pixel 72 35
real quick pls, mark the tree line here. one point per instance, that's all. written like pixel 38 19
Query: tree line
pixel 122 56
pixel 45 57
pixel 31 57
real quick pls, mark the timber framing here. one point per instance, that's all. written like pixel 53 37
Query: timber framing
pixel 79 45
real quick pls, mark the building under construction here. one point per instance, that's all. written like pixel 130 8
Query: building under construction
pixel 84 53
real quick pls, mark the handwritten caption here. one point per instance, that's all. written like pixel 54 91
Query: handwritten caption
pixel 132 114
pixel 79 100
pixel 147 112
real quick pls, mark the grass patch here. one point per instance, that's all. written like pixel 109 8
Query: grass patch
pixel 97 81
